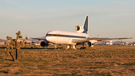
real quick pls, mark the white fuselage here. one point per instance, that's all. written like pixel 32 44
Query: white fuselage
pixel 64 37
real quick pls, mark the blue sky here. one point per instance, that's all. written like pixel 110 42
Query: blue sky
pixel 34 18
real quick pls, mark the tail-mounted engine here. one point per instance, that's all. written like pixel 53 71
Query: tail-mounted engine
pixel 79 29
pixel 44 43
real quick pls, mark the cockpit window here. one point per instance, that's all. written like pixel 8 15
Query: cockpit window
pixel 50 35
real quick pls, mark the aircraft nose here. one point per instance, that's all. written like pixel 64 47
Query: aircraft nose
pixel 50 39
pixel 47 38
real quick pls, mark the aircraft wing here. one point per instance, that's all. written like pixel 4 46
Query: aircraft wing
pixel 97 39
pixel 38 38
pixel 100 39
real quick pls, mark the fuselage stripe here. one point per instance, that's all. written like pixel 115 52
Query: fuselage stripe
pixel 59 35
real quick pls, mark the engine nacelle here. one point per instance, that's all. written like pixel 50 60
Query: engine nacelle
pixel 89 44
pixel 79 29
pixel 44 43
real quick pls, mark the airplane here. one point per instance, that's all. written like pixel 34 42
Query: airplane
pixel 72 38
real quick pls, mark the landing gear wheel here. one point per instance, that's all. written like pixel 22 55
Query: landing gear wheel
pixel 81 48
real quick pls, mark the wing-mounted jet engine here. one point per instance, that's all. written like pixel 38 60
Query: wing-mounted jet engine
pixel 89 44
pixel 79 29
pixel 44 43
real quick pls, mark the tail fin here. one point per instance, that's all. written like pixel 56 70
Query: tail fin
pixel 85 26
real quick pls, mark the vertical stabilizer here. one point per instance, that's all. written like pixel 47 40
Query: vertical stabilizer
pixel 85 26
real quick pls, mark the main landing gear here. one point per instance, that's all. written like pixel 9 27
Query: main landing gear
pixel 69 46
pixel 81 48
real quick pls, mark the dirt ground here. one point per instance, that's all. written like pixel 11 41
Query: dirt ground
pixel 93 61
